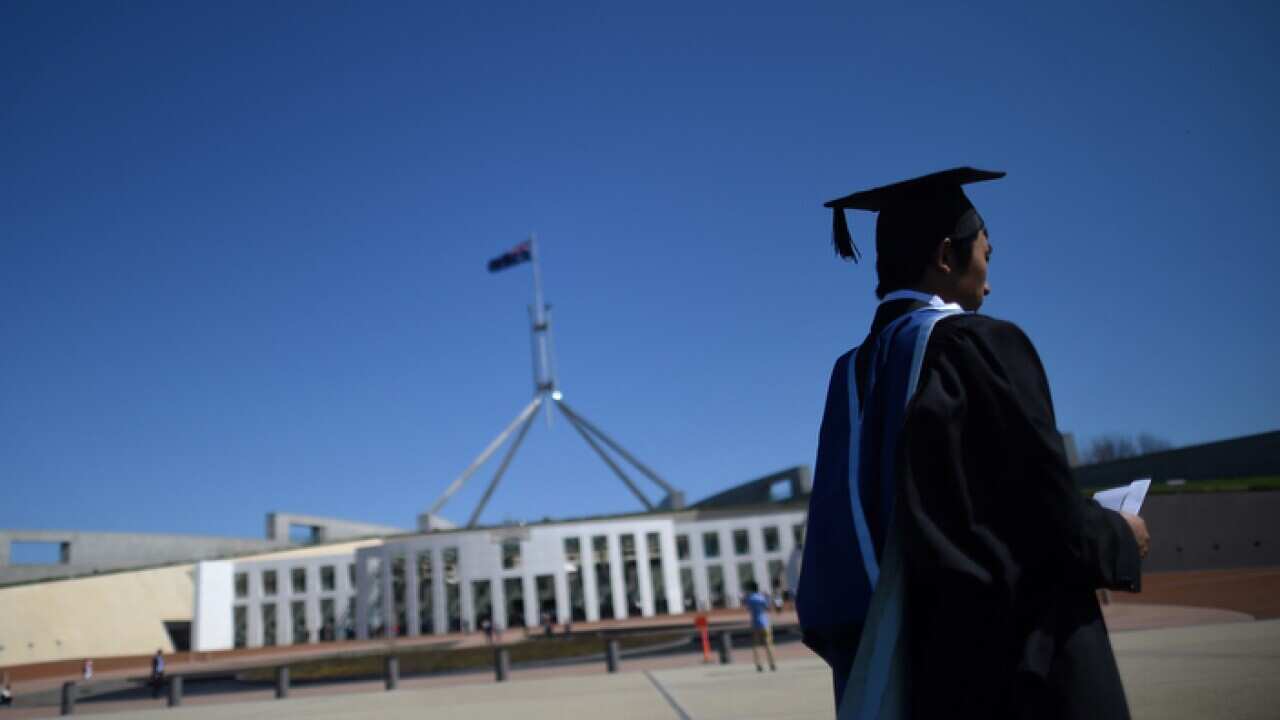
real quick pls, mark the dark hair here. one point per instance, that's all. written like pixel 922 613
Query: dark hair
pixel 751 586
pixel 904 265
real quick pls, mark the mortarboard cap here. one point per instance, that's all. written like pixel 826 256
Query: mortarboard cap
pixel 920 210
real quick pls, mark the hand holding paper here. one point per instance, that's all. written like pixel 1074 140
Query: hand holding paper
pixel 1126 498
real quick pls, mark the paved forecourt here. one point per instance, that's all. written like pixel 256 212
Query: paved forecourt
pixel 1221 670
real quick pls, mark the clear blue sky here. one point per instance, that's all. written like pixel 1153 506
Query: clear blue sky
pixel 243 245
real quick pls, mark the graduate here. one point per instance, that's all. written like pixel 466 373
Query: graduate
pixel 950 563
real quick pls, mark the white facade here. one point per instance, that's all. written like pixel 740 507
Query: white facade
pixel 573 571
pixel 211 623
pixel 292 600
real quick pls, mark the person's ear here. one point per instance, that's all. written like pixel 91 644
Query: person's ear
pixel 943 257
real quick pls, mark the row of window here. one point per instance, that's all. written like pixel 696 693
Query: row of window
pixel 297 580
pixel 718 594
pixel 741 541
pixel 332 625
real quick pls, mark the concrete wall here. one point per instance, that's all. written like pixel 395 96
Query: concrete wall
pixel 326 529
pixel 95 552
pixel 757 492
pixel 1205 531
pixel 1248 456
pixel 211 623
pixel 102 616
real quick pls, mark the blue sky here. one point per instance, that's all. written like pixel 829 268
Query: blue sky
pixel 243 246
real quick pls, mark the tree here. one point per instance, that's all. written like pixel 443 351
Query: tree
pixel 1148 443
pixel 1116 446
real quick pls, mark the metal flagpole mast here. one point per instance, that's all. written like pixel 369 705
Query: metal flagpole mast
pixel 544 380
pixel 544 388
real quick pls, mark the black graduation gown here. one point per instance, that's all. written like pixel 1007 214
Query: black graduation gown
pixel 1002 552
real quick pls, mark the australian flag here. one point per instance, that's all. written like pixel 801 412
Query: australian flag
pixel 514 256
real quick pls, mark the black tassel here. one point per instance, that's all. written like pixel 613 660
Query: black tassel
pixel 840 237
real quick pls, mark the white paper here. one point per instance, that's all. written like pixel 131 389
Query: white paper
pixel 1126 498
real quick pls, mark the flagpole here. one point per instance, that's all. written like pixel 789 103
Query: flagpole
pixel 544 382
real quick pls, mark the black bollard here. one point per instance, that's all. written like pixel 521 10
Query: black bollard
pixel 611 655
pixel 282 682
pixel 393 671
pixel 726 648
pixel 175 691
pixel 68 698
pixel 501 664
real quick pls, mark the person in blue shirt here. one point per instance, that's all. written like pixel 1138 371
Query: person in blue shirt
pixel 761 633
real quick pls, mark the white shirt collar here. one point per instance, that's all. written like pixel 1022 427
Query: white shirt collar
pixel 932 300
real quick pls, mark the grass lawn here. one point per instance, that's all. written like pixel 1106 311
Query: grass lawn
pixel 434 660
pixel 1243 484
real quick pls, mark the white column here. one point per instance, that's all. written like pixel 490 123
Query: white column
pixel 498 596
pixel 589 591
pixel 388 608
pixel 616 578
pixel 466 602
pixel 253 608
pixel 362 596
pixel 642 574
pixel 671 573
pixel 284 630
pixel 563 611
pixel 314 622
pixel 440 613
pixel 532 613
pixel 411 591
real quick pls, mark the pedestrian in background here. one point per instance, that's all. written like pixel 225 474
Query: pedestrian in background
pixel 761 632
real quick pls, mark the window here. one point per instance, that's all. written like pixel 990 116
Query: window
pixel 513 588
pixel 328 620
pixel 780 490
pixel 268 582
pixel 741 542
pixel 545 586
pixel 573 578
pixel 241 622
pixel 399 609
pixel 747 577
pixel 351 575
pixel 268 624
pixel 510 554
pixel 711 544
pixel 572 551
pixel 299 578
pixel 687 594
pixel 797 531
pixel 242 584
pixel 426 618
pixel 452 590
pixel 772 543
pixel 631 576
pixel 776 571
pixel 682 547
pixel 299 614
pixel 715 586
pixel 604 580
pixel 377 619
pixel 481 603
pixel 327 581
pixel 654 543
pixel 39 552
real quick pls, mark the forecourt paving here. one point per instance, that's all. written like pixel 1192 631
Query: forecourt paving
pixel 1207 671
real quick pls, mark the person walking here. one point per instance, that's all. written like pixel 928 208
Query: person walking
pixel 157 673
pixel 761 632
